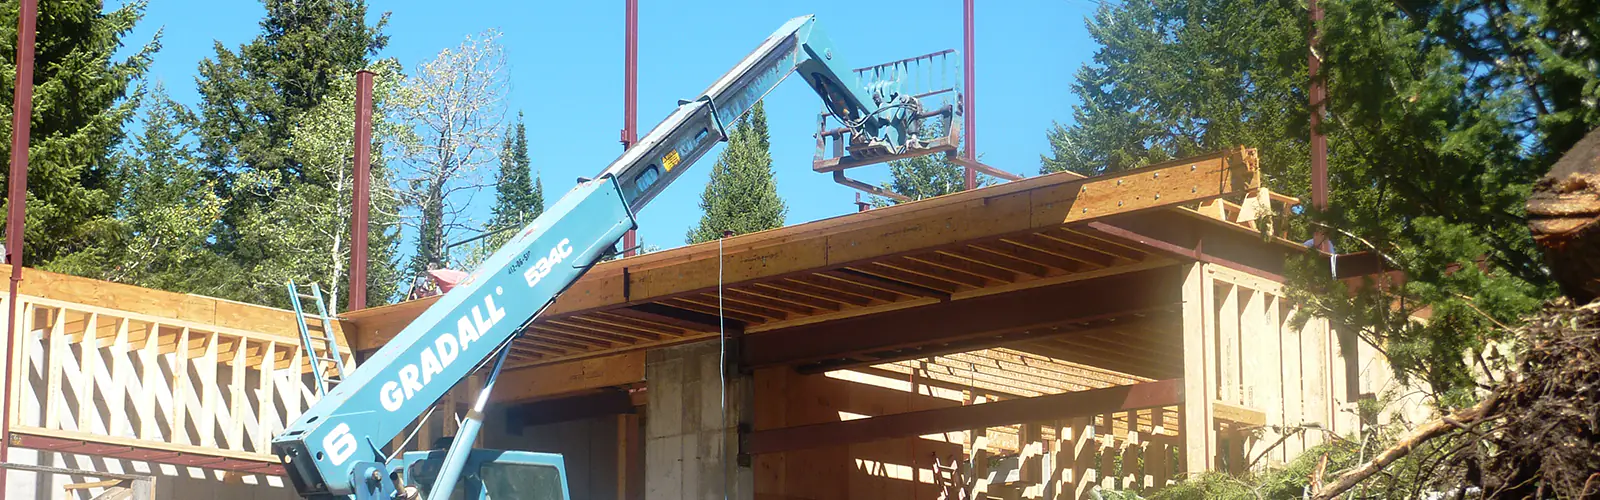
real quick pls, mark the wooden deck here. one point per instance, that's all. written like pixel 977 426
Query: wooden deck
pixel 1034 233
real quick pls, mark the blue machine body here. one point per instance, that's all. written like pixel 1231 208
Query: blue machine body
pixel 334 449
pixel 494 474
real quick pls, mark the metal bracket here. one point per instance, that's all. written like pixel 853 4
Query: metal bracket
pixel 716 117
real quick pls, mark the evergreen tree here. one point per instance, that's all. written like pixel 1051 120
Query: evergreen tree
pixel 80 103
pixel 303 232
pixel 926 176
pixel 164 210
pixel 742 196
pixel 251 98
pixel 1177 78
pixel 1440 114
pixel 519 195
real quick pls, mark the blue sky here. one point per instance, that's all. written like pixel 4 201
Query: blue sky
pixel 565 61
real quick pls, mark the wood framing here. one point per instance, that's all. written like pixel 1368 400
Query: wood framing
pixel 177 308
pixel 126 372
pixel 543 381
pixel 1012 235
pixel 995 318
pixel 899 425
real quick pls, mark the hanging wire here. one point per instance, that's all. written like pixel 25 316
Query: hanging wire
pixel 722 363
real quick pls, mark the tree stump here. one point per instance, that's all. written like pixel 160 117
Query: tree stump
pixel 1564 215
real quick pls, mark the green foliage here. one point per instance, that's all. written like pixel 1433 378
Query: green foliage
pixel 1439 116
pixel 164 210
pixel 80 104
pixel 519 195
pixel 1432 467
pixel 926 176
pixel 252 98
pixel 1443 118
pixel 303 232
pixel 742 196
pixel 1177 78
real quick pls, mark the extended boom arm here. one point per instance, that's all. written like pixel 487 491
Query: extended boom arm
pixel 334 449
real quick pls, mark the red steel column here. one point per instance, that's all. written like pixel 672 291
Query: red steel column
pixel 969 109
pixel 1318 94
pixel 21 121
pixel 630 96
pixel 361 199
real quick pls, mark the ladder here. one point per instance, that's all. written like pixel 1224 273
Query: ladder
pixel 326 357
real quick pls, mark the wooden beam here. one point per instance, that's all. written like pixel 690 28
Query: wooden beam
pixel 1011 249
pixel 774 292
pixel 810 290
pixel 767 302
pixel 599 403
pixel 1199 370
pixel 1039 308
pixel 102 296
pixel 1172 234
pixel 688 320
pixel 917 423
pixel 635 323
pixel 1020 207
pixel 1238 416
pixel 995 260
pixel 842 284
pixel 960 278
pixel 709 308
pixel 543 381
pixel 899 287
pixel 900 276
pixel 624 333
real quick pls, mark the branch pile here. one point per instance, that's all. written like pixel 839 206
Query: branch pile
pixel 1548 442
pixel 1539 429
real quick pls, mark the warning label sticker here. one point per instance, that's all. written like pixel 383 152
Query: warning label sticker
pixel 671 160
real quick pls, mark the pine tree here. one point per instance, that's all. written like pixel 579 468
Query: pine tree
pixel 80 103
pixel 926 176
pixel 519 196
pixel 1177 78
pixel 1440 114
pixel 164 211
pixel 742 196
pixel 252 97
pixel 303 232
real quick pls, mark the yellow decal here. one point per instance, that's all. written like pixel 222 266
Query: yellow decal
pixel 671 160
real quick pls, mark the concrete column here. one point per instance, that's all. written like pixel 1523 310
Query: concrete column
pixel 691 431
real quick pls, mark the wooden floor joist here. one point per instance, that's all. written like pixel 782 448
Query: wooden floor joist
pixel 900 425
pixel 1006 236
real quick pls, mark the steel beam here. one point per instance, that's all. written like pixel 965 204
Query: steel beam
pixel 362 192
pixel 969 103
pixel 16 213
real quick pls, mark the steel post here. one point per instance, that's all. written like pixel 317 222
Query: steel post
pixel 361 199
pixel 969 110
pixel 21 121
pixel 1318 93
pixel 630 98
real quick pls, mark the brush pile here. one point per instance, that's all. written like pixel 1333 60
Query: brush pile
pixel 1546 443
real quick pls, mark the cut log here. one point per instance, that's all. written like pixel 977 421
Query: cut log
pixel 1564 216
